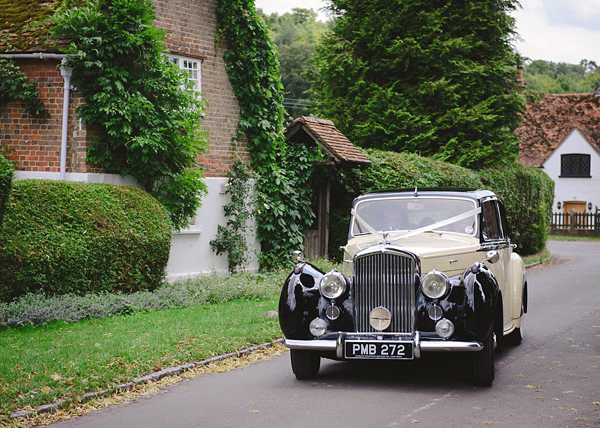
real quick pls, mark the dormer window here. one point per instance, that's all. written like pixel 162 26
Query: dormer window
pixel 575 165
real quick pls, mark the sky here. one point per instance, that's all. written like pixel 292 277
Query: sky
pixel 552 30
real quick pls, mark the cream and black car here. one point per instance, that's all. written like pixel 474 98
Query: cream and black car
pixel 424 270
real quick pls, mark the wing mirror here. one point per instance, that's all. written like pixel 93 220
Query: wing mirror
pixel 492 256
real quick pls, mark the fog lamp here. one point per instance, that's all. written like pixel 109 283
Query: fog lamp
pixel 317 327
pixel 435 312
pixel 332 312
pixel 444 328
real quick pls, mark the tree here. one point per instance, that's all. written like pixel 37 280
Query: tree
pixel 295 35
pixel 562 78
pixel 428 76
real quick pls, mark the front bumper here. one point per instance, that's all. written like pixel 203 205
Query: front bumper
pixel 337 345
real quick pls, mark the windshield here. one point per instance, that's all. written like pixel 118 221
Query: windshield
pixel 410 213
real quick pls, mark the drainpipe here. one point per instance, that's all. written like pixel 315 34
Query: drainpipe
pixel 66 73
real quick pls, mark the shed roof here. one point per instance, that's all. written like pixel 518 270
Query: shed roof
pixel 324 133
pixel 548 122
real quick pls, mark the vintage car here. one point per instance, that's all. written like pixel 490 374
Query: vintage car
pixel 424 270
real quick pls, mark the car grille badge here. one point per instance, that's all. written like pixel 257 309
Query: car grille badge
pixel 380 318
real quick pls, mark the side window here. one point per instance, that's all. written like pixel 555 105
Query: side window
pixel 490 225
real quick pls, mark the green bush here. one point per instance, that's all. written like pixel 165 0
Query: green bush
pixel 528 194
pixel 63 237
pixel 6 175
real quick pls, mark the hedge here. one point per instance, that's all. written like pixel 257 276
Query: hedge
pixel 528 195
pixel 6 175
pixel 63 237
pixel 527 192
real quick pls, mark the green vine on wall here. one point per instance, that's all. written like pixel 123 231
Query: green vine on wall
pixel 14 85
pixel 231 238
pixel 253 70
pixel 147 121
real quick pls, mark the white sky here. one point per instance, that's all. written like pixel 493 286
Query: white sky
pixel 552 30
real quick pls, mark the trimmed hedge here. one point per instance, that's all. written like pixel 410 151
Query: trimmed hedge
pixel 6 175
pixel 64 237
pixel 527 193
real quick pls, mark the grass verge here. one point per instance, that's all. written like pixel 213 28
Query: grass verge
pixel 62 360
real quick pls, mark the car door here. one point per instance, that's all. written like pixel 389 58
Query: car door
pixel 495 237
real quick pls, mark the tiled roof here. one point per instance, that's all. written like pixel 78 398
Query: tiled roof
pixel 17 30
pixel 325 134
pixel 548 122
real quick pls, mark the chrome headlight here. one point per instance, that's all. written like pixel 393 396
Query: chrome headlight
pixel 332 285
pixel 435 284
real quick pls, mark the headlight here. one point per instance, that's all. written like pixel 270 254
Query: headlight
pixel 435 284
pixel 333 285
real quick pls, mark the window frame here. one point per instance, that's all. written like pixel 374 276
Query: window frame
pixel 180 61
pixel 582 172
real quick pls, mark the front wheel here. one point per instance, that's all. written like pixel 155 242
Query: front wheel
pixel 305 364
pixel 483 363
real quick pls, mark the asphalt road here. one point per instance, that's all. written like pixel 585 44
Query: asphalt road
pixel 551 380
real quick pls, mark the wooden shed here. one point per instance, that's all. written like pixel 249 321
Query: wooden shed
pixel 323 133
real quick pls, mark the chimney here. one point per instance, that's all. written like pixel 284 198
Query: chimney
pixel 520 78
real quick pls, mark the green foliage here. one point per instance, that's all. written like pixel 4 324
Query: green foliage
pixel 295 35
pixel 146 119
pixel 528 195
pixel 14 85
pixel 231 239
pixel 38 309
pixel 561 78
pixel 6 176
pixel 421 76
pixel 253 69
pixel 64 237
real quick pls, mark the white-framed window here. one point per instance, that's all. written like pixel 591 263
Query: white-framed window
pixel 192 66
pixel 193 226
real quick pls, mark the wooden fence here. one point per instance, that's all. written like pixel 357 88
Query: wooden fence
pixel 576 224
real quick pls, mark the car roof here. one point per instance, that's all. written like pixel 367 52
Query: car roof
pixel 476 194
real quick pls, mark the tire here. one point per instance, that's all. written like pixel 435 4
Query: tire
pixel 305 364
pixel 483 363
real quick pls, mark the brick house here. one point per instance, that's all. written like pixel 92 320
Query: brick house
pixel 55 148
pixel 561 135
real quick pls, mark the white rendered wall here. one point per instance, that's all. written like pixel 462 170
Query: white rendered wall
pixel 574 188
pixel 191 254
pixel 190 250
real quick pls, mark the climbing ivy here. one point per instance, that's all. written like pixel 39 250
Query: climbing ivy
pixel 14 85
pixel 253 68
pixel 146 120
pixel 231 238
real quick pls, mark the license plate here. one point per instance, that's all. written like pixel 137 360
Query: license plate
pixel 378 349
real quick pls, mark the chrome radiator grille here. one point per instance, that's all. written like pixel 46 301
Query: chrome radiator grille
pixel 386 280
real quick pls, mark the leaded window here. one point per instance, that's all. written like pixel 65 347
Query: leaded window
pixel 575 165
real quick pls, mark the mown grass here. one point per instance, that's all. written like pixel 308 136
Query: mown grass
pixel 40 364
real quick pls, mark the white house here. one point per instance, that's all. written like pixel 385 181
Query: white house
pixel 575 168
pixel 561 135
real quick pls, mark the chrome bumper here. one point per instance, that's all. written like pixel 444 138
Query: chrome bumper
pixel 337 345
